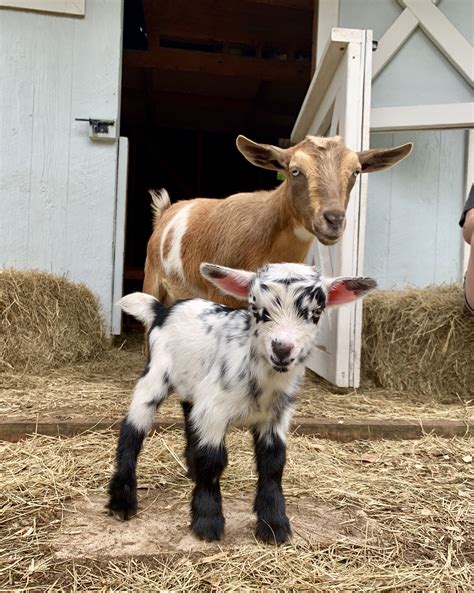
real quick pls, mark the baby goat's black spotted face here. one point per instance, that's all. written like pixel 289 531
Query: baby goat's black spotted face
pixel 286 302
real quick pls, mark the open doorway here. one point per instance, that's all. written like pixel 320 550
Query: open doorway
pixel 195 75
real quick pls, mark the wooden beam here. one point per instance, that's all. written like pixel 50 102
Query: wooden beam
pixel 196 100
pixel 333 54
pixel 392 40
pixel 231 21
pixel 328 18
pixel 422 117
pixel 218 64
pixel 342 430
pixel 306 5
pixel 455 48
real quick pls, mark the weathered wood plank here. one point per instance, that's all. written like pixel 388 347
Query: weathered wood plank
pixel 15 429
pixel 93 164
pixel 47 212
pixel 17 67
pixel 169 59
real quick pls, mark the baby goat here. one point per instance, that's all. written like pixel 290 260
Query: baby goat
pixel 228 365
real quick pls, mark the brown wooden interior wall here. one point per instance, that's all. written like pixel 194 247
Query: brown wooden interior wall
pixel 212 70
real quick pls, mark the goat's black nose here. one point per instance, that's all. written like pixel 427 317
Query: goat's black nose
pixel 281 350
pixel 334 217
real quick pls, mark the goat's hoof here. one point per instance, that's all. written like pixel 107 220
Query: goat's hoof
pixel 122 501
pixel 209 529
pixel 273 533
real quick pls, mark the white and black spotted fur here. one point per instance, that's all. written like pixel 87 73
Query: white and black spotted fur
pixel 228 366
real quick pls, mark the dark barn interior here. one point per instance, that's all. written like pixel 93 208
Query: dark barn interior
pixel 195 75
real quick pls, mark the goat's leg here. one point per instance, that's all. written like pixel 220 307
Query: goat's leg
pixel 273 525
pixel 207 519
pixel 190 439
pixel 150 391
pixel 209 461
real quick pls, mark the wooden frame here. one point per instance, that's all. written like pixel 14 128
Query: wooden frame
pixel 170 59
pixel 338 102
pixel 436 26
pixel 119 241
pixel 66 7
pixel 422 117
pixel 326 18
pixel 16 429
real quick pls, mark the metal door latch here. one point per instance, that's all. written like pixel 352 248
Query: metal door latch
pixel 100 128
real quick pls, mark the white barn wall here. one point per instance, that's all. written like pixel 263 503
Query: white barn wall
pixel 57 186
pixel 412 234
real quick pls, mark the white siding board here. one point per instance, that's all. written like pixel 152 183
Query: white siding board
pixel 57 186
pixel 50 144
pixel 17 67
pixel 450 202
pixel 377 234
pixel 461 14
pixel 413 213
pixel 419 75
pixel 93 165
pixel 412 233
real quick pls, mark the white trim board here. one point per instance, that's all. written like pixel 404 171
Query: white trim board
pixel 422 117
pixel 119 240
pixel 436 26
pixel 70 7
pixel 327 66
pixel 444 35
pixel 392 40
pixel 327 18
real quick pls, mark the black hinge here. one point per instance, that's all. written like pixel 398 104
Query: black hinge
pixel 99 126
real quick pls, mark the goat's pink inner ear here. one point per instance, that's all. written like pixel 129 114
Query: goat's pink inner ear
pixel 339 294
pixel 234 285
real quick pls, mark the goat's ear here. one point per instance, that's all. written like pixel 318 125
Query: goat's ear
pixel 346 290
pixel 264 155
pixel 378 159
pixel 229 281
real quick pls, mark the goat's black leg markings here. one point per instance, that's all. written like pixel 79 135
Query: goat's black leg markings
pixel 123 485
pixel 207 519
pixel 273 525
pixel 190 439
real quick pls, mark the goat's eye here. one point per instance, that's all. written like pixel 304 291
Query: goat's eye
pixel 264 316
pixel 294 171
pixel 315 315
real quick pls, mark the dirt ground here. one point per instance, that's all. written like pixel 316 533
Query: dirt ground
pixel 102 389
pixel 367 516
pixel 162 526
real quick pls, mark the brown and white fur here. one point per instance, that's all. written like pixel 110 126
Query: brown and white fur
pixel 248 230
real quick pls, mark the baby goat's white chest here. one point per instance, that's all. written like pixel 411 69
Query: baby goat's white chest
pixel 277 395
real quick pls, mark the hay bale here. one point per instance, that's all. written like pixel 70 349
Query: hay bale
pixel 418 340
pixel 46 321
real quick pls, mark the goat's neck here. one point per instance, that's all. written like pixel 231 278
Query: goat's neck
pixel 290 242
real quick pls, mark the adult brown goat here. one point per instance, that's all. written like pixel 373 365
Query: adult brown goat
pixel 248 230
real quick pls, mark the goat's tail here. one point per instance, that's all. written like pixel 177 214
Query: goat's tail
pixel 160 201
pixel 143 307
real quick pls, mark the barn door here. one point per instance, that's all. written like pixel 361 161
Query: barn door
pixel 338 102
pixel 58 183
